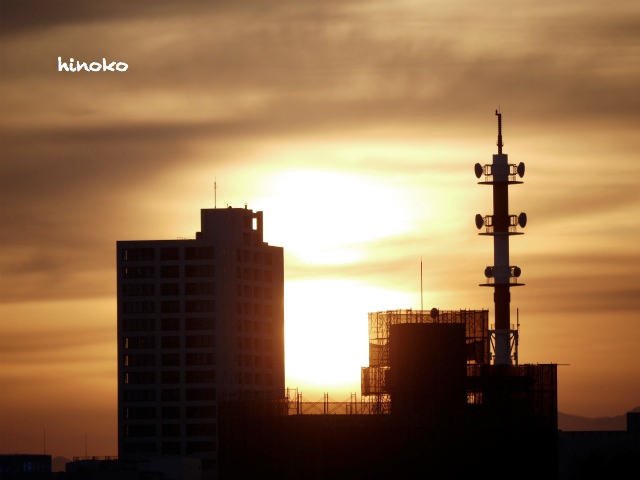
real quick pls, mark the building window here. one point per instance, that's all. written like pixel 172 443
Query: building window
pixel 201 376
pixel 139 413
pixel 199 271
pixel 139 447
pixel 138 254
pixel 171 430
pixel 200 306
pixel 170 394
pixel 170 253
pixel 138 290
pixel 136 431
pixel 167 324
pixel 170 412
pixel 147 307
pixel 170 271
pixel 200 324
pixel 201 429
pixel 170 377
pixel 208 288
pixel 139 342
pixel 172 341
pixel 138 272
pixel 201 411
pixel 170 289
pixel 138 325
pixel 170 360
pixel 139 378
pixel 201 394
pixel 199 253
pixel 200 341
pixel 170 306
pixel 139 395
pixel 200 358
pixel 140 360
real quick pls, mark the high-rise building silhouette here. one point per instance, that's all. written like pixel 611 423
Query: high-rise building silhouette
pixel 198 320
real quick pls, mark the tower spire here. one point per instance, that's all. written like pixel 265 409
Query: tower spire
pixel 499 131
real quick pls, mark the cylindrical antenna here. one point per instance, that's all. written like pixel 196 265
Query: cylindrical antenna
pixel 215 193
pixel 499 132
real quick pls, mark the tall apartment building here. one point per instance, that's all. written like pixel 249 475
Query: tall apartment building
pixel 198 319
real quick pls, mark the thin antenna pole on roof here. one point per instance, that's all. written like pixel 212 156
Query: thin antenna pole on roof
pixel 421 303
pixel 215 193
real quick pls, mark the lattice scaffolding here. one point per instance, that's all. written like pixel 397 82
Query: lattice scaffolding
pixel 374 386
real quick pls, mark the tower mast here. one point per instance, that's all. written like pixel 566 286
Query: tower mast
pixel 501 225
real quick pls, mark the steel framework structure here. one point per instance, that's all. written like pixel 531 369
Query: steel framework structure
pixel 375 392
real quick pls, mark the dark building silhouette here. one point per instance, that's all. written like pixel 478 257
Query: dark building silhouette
pixel 601 454
pixel 443 395
pixel 25 466
pixel 198 319
pixel 441 409
pixel 201 369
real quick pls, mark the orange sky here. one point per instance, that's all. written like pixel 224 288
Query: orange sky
pixel 354 125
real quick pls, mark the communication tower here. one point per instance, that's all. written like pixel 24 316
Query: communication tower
pixel 501 226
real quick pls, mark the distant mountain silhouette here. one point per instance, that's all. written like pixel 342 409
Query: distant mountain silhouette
pixel 59 464
pixel 569 423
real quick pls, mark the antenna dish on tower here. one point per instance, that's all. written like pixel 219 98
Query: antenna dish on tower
pixel 522 219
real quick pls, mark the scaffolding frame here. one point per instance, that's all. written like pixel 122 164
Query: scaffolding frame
pixel 374 386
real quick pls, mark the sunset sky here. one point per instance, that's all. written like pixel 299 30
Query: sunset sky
pixel 354 125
